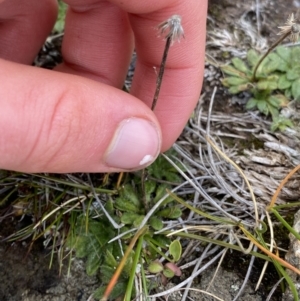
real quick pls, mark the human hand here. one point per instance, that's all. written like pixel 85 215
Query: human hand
pixel 76 119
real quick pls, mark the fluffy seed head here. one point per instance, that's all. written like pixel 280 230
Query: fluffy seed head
pixel 291 26
pixel 172 28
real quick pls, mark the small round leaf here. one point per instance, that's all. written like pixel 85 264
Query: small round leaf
pixel 156 223
pixel 168 273
pixel 155 267
pixel 175 250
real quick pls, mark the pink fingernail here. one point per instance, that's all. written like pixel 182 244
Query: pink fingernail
pixel 135 145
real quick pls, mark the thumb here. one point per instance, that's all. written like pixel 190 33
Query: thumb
pixel 55 122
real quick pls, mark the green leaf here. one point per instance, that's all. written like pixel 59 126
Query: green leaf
pixel 262 84
pixel 270 83
pixel 128 193
pixel 295 56
pixel 273 111
pixel 156 223
pixel 118 290
pixel 278 100
pixel 281 123
pixel 271 64
pixel 283 82
pixel 161 192
pixel 109 206
pixel 126 205
pixel 175 249
pixel 81 246
pixel 274 101
pixel 262 107
pixel 227 69
pixel 251 104
pixel 282 59
pixel 284 53
pixel 288 93
pixel 60 22
pixel 155 267
pixel 296 89
pixel 161 241
pixel 234 81
pixel 93 262
pixel 261 94
pixel 90 244
pixel 100 232
pixel 110 260
pixel 289 124
pixel 238 89
pixel 126 236
pixel 163 170
pixel 240 65
pixel 98 294
pixel 283 101
pixel 260 73
pixel 128 218
pixel 138 220
pixel 128 265
pixel 170 212
pixel 150 187
pixel 168 273
pixel 293 73
pixel 252 57
pixel 106 272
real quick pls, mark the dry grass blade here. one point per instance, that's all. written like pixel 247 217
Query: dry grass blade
pixel 270 254
pixel 242 174
pixel 271 250
pixel 285 180
pixel 219 183
pixel 214 172
pixel 120 267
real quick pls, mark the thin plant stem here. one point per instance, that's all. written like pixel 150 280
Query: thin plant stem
pixel 175 31
pixel 144 197
pixel 275 196
pixel 161 72
pixel 134 265
pixel 270 254
pixel 267 53
pixel 271 250
pixel 274 288
pixel 285 223
pixel 154 102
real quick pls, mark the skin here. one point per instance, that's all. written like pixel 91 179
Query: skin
pixel 65 120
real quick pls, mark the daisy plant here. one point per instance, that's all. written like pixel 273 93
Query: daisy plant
pixel 271 79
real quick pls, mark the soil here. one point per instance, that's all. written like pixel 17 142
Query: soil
pixel 28 277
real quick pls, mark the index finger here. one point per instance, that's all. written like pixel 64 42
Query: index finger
pixel 98 40
pixel 183 75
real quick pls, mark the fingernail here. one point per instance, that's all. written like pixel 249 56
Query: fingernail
pixel 135 145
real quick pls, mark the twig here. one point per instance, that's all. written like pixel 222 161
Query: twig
pixel 175 32
pixel 292 29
